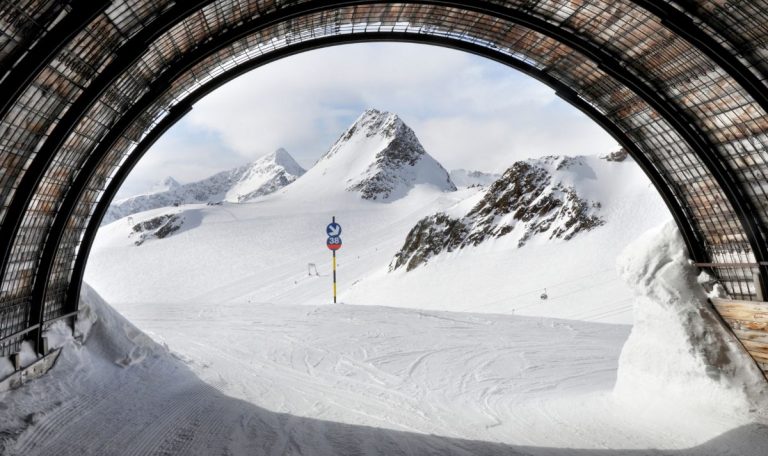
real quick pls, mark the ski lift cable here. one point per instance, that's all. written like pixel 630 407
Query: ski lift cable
pixel 558 297
pixel 587 288
pixel 597 311
pixel 612 313
pixel 538 290
pixel 588 313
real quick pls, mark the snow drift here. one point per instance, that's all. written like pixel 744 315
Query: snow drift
pixel 678 347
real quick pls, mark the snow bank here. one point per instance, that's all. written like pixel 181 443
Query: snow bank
pixel 111 337
pixel 678 348
pixel 6 367
pixel 115 336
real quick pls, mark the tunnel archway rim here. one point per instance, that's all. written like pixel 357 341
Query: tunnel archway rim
pixel 178 111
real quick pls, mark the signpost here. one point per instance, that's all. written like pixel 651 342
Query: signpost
pixel 333 230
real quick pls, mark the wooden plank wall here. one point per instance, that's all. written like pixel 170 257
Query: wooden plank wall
pixel 749 321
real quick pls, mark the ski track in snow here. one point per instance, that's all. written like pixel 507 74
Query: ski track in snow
pixel 338 380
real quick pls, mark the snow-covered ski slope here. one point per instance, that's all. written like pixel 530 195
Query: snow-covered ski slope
pixel 353 380
pixel 259 252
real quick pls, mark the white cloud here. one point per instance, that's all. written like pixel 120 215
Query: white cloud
pixel 468 111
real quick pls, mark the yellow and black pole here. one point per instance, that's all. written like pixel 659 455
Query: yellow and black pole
pixel 333 230
pixel 334 277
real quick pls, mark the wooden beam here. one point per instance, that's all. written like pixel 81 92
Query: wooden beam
pixel 749 322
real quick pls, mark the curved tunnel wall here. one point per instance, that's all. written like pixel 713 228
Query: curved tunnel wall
pixel 91 84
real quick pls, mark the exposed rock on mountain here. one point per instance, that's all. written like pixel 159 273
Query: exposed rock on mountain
pixel 158 227
pixel 530 199
pixel 262 177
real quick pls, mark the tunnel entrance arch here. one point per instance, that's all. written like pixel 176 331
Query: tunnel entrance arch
pixel 93 84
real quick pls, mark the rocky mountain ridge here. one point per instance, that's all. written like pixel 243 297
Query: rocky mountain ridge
pixel 530 199
pixel 261 177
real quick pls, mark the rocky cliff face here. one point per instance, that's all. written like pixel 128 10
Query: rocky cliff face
pixel 527 201
pixel 158 227
pixel 617 156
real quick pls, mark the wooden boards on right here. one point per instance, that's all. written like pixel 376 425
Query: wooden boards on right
pixel 749 321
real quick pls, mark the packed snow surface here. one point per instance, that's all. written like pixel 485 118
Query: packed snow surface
pixel 258 379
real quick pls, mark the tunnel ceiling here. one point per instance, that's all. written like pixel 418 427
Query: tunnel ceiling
pixel 89 85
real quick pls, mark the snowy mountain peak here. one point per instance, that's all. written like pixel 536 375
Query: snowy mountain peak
pixel 281 157
pixel 264 176
pixel 169 183
pixel 372 122
pixel 380 158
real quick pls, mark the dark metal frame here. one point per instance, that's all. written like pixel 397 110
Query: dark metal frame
pixel 689 8
pixel 41 54
pixel 607 62
pixel 678 22
pixel 129 53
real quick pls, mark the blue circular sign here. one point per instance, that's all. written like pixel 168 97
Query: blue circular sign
pixel 333 230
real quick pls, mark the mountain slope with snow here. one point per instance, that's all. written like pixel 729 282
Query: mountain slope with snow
pixel 260 251
pixel 262 177
pixel 498 275
pixel 378 158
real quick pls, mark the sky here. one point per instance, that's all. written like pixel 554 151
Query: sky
pixel 469 112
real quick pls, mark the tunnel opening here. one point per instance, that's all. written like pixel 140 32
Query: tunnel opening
pixel 677 84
